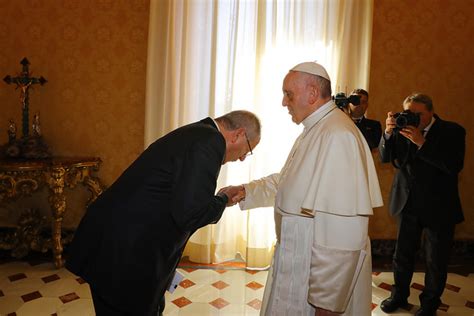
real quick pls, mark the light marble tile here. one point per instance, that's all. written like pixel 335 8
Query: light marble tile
pixel 400 312
pixel 79 307
pixel 15 267
pixel 22 287
pixel 253 294
pixel 260 277
pixel 386 277
pixel 250 311
pixel 201 309
pixel 9 304
pixel 65 273
pixel 202 294
pixel 203 276
pixel 83 291
pixel 233 310
pixel 171 309
pixel 59 287
pixel 237 278
pixel 41 270
pixel 39 307
pixel 234 294
pixel 379 294
pixel 453 299
pixel 457 311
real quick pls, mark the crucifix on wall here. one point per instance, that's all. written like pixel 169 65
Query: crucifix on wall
pixel 24 81
pixel 28 146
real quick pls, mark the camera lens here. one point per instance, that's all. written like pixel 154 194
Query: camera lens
pixel 401 121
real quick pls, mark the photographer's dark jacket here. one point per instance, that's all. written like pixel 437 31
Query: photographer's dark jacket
pixel 371 129
pixel 131 238
pixel 429 178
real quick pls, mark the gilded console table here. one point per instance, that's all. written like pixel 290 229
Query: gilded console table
pixel 19 177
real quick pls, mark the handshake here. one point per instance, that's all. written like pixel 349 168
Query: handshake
pixel 235 194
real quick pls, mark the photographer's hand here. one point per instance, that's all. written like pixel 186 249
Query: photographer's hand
pixel 390 123
pixel 414 135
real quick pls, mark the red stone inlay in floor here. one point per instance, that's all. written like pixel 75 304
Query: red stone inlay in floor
pixel 254 285
pixel 385 286
pixel 417 286
pixel 453 288
pixel 220 285
pixel 69 297
pixel 80 280
pixel 373 306
pixel 181 302
pixel 220 271
pixel 189 270
pixel 469 304
pixel 50 278
pixel 219 303
pixel 252 271
pixel 31 296
pixel 256 304
pixel 16 277
pixel 186 283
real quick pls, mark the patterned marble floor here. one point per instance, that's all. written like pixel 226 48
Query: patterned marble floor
pixel 39 289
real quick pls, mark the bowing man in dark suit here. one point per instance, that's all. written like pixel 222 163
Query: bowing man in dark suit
pixel 131 238
pixel 424 197
pixel 371 129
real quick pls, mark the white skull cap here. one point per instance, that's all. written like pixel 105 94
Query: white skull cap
pixel 313 68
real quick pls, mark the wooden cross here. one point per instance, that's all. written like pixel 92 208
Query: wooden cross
pixel 24 81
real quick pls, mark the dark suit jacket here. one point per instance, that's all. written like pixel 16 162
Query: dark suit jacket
pixel 430 176
pixel 372 131
pixel 131 238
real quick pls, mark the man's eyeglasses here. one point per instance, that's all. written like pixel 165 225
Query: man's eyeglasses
pixel 250 148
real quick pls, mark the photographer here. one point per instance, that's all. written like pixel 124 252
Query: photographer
pixel 371 129
pixel 429 154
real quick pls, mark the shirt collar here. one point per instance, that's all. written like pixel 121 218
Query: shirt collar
pixel 357 119
pixel 215 123
pixel 427 128
pixel 318 115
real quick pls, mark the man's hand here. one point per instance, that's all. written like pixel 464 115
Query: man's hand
pixel 234 193
pixel 413 134
pixel 390 123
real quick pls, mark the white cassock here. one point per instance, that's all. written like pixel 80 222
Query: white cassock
pixel 322 199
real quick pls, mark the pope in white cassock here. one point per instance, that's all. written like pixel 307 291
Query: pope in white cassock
pixel 323 197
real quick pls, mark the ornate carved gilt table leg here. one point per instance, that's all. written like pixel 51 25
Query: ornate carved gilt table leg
pixel 83 175
pixel 57 201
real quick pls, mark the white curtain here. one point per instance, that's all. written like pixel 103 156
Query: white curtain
pixel 206 58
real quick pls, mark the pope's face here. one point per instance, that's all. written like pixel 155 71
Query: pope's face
pixel 296 95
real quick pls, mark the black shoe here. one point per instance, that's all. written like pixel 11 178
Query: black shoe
pixel 424 311
pixel 391 304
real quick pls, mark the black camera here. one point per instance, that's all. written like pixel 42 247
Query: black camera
pixel 342 101
pixel 405 118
